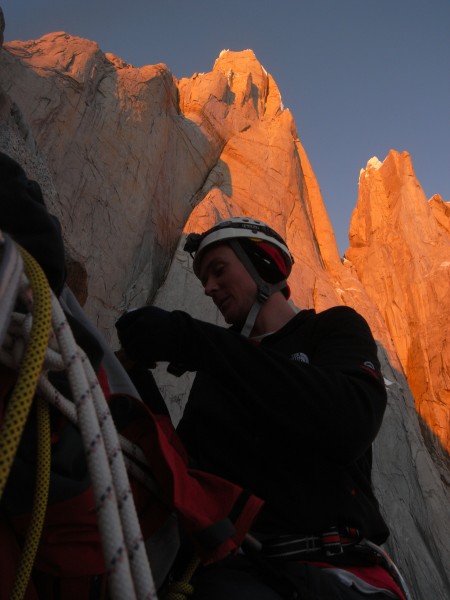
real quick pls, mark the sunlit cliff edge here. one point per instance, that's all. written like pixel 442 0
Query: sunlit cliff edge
pixel 130 158
pixel 400 251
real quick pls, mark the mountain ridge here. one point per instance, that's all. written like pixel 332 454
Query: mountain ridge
pixel 219 144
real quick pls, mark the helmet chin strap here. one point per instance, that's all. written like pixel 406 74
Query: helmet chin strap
pixel 265 290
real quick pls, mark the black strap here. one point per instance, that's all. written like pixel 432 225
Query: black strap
pixel 214 535
pixel 327 545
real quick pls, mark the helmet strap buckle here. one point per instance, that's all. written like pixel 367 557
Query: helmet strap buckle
pixel 264 292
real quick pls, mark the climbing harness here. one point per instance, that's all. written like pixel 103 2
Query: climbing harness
pixel 32 348
pixel 292 547
pixel 333 544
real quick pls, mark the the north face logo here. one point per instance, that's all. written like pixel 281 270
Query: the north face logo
pixel 370 367
pixel 300 356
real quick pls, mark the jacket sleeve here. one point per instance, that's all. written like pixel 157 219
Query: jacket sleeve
pixel 334 404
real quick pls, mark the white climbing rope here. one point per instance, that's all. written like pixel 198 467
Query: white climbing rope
pixel 127 565
pixel 11 269
pixel 135 460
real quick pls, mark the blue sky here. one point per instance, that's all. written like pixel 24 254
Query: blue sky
pixel 360 76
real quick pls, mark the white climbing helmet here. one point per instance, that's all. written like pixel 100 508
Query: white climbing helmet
pixel 262 251
pixel 237 228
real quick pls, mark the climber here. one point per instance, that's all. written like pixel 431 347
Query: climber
pixel 286 404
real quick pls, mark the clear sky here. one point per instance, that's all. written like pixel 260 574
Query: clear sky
pixel 360 76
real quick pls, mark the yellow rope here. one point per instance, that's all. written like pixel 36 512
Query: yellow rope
pixel 180 590
pixel 39 503
pixel 20 402
pixel 16 415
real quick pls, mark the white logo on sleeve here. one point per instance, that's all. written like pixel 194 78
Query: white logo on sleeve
pixel 369 365
pixel 300 356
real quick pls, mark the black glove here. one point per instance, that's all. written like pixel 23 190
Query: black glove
pixel 148 334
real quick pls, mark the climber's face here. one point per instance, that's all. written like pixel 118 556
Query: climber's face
pixel 228 283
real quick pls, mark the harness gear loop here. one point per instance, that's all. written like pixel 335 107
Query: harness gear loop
pixel 332 542
pixel 327 546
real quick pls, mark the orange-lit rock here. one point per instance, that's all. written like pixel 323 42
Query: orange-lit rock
pixel 400 249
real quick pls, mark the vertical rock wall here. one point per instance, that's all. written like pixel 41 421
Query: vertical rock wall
pixel 400 250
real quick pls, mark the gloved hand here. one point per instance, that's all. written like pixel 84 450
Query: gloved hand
pixel 147 335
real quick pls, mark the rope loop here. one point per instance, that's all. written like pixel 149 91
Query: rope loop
pixel 179 590
pixel 33 344
pixel 182 589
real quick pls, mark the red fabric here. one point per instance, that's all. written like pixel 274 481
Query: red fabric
pixel 375 575
pixel 275 254
pixel 70 547
pixel 200 499
pixel 43 585
pixel 70 543
pixel 10 556
pixel 277 257
pixel 378 577
pixel 103 381
pixel 68 588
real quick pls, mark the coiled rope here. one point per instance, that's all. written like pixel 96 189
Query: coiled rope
pixel 123 543
pixel 127 566
pixel 20 402
pixel 11 268
pixel 19 405
pixel 39 504
pixel 182 589
pixel 135 460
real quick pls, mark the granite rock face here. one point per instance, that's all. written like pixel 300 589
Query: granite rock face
pixel 400 250
pixel 131 160
pixel 119 151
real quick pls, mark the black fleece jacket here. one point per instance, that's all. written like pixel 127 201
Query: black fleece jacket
pixel 292 418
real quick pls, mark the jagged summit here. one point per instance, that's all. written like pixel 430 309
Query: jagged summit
pixel 374 163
